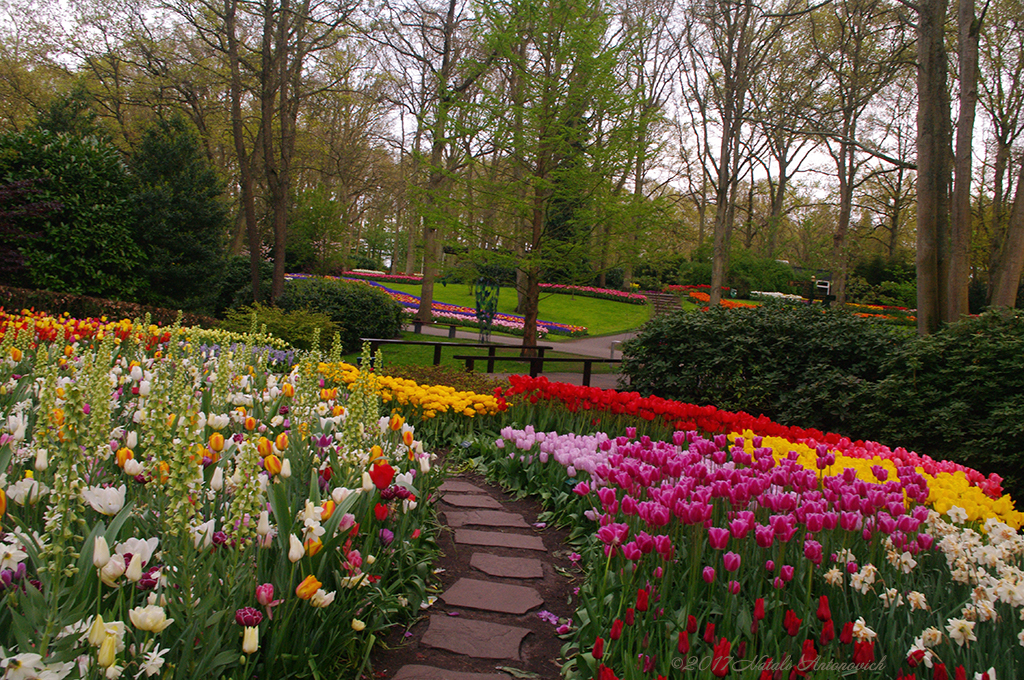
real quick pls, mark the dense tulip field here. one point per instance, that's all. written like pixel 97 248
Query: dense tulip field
pixel 185 503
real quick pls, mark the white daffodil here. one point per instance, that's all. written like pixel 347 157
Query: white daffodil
pixel 961 631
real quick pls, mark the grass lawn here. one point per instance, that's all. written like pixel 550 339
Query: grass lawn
pixel 601 317
pixel 422 355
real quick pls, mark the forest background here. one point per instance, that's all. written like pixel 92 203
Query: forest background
pixel 635 143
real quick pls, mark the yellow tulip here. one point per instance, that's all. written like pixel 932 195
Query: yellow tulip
pixel 108 651
pixel 308 587
pixel 272 464
pixel 250 639
pixel 358 625
pixel 217 442
pixel 3 503
pixel 124 454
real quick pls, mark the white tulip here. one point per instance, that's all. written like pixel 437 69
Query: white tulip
pixel 217 481
pixel 100 552
pixel 295 549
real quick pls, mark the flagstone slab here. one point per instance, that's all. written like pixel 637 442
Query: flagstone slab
pixel 507 567
pixel 501 598
pixel 414 672
pixel 485 518
pixel 477 639
pixel 457 486
pixel 498 540
pixel 471 501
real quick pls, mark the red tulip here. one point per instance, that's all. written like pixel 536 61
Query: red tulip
pixel 828 633
pixel 720 658
pixel 382 474
pixel 616 631
pixel 864 652
pixel 824 614
pixel 684 642
pixel 709 633
pixel 641 600
pixel 598 647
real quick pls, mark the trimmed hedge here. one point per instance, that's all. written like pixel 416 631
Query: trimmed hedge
pixel 957 394
pixel 296 328
pixel 83 307
pixel 358 309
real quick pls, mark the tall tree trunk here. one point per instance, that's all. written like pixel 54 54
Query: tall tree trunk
pixel 238 135
pixel 933 164
pixel 960 222
pixel 1006 274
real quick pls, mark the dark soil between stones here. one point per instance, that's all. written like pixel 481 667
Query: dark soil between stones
pixel 540 652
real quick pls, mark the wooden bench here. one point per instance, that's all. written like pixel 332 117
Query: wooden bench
pixel 492 349
pixel 417 327
pixel 537 363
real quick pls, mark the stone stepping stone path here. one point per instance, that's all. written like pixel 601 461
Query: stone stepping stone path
pixel 490 624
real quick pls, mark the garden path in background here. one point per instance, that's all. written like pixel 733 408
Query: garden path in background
pixel 602 347
pixel 504 578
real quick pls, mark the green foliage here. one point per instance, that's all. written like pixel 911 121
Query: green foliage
pixel 797 365
pixel 235 288
pixel 360 310
pixel 73 113
pixel 314 226
pixel 87 246
pixel 958 394
pixel 295 327
pixel 179 218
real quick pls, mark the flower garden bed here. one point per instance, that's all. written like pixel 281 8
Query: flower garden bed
pixel 464 316
pixel 173 512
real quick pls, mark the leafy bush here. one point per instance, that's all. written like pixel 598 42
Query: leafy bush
pixel 797 365
pixel 179 218
pixel 296 327
pixel 85 247
pixel 236 283
pixel 959 394
pixel 359 309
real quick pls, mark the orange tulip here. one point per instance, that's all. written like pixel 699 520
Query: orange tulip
pixel 338 410
pixel 326 510
pixel 313 546
pixel 288 390
pixel 375 452
pixel 272 464
pixel 165 471
pixel 407 437
pixel 15 354
pixel 396 422
pixel 124 454
pixel 250 423
pixel 308 587
pixel 3 503
pixel 217 442
pixel 264 447
pixel 281 442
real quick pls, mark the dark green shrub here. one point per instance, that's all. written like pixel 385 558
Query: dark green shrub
pixel 359 309
pixel 798 365
pixel 85 245
pixel 178 217
pixel 235 288
pixel 958 394
pixel 296 327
